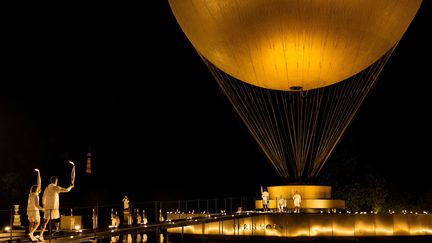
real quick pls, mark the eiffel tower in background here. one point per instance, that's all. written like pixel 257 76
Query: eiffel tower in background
pixel 88 163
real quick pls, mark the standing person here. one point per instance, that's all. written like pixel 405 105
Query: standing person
pixel 265 199
pixel 33 207
pixel 51 202
pixel 281 204
pixel 125 203
pixel 297 202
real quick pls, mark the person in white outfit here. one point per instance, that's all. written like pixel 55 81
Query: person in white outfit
pixel 265 199
pixel 281 204
pixel 33 207
pixel 297 202
pixel 51 202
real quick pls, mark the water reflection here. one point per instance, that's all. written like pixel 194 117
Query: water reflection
pixel 138 238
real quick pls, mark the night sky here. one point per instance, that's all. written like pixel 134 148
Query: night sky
pixel 130 87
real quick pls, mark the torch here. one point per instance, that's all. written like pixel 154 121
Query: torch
pixel 39 181
pixel 72 172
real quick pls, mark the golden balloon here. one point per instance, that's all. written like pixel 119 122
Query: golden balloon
pixel 293 44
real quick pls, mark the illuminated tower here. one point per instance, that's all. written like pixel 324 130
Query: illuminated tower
pixel 88 164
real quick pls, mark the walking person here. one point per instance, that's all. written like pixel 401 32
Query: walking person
pixel 33 207
pixel 51 202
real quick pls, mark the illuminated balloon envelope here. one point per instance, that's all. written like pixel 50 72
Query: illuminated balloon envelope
pixel 281 64
pixel 280 44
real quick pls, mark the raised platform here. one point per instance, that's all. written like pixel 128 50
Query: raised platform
pixel 308 205
pixel 315 198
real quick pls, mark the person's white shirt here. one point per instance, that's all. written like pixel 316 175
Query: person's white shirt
pixel 281 204
pixel 265 196
pixel 33 207
pixel 51 200
pixel 297 200
pixel 265 199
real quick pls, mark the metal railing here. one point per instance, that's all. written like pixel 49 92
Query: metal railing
pixel 100 216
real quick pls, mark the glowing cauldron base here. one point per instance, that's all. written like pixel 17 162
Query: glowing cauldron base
pixel 315 198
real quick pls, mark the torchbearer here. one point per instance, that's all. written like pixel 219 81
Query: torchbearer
pixel 33 207
pixel 51 200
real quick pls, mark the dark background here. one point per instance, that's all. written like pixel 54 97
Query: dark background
pixel 126 82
